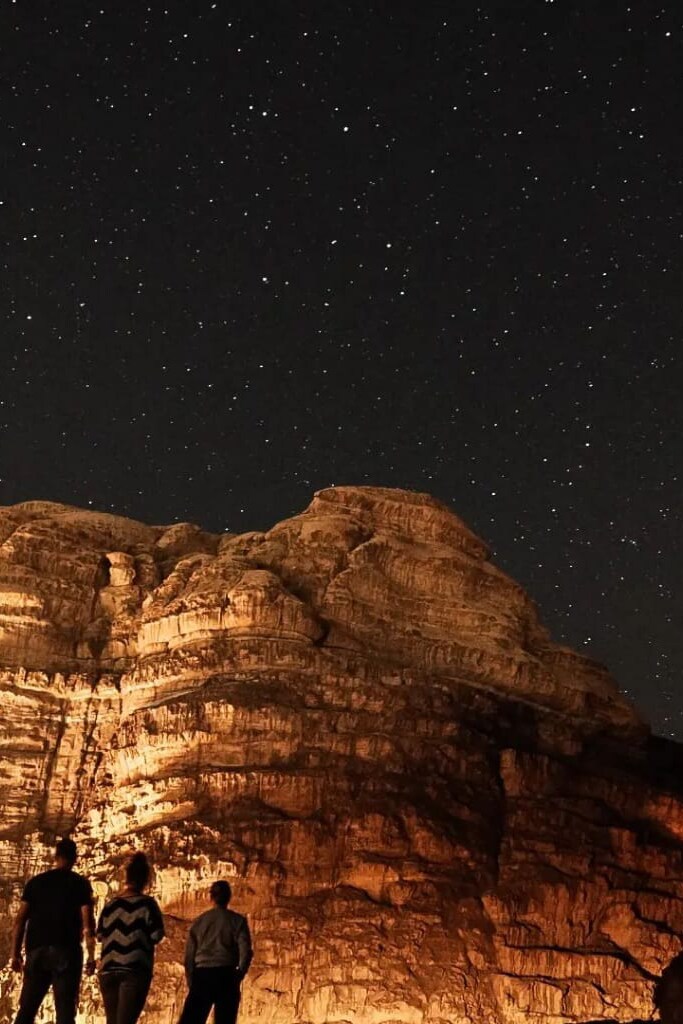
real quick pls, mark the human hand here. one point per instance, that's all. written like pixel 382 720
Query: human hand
pixel 17 964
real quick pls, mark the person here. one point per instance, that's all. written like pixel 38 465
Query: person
pixel 129 928
pixel 668 992
pixel 217 957
pixel 55 914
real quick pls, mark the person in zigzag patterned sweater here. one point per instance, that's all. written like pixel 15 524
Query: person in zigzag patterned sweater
pixel 129 928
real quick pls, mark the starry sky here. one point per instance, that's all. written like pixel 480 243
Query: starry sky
pixel 254 249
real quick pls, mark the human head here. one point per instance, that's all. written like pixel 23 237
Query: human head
pixel 65 853
pixel 221 893
pixel 138 871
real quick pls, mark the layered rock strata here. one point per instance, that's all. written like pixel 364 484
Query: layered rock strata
pixel 429 811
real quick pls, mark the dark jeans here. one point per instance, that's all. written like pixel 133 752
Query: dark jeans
pixel 212 986
pixel 124 994
pixel 53 966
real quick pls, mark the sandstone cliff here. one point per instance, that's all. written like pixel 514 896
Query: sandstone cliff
pixel 430 812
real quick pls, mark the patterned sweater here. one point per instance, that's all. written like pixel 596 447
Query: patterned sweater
pixel 129 928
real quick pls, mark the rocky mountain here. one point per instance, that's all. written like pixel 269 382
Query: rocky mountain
pixel 431 813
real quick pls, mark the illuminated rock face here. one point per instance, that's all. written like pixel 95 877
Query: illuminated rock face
pixel 429 811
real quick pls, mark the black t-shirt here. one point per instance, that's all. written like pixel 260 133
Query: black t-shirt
pixel 54 902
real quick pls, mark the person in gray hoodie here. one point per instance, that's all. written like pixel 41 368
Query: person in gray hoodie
pixel 217 957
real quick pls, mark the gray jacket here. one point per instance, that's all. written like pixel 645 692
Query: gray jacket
pixel 219 938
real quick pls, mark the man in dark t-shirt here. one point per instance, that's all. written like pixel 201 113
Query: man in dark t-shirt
pixel 55 914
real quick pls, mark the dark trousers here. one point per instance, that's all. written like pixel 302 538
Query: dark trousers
pixel 51 966
pixel 124 994
pixel 212 986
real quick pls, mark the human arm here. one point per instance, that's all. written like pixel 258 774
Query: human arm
pixel 190 952
pixel 155 922
pixel 18 931
pixel 244 948
pixel 88 925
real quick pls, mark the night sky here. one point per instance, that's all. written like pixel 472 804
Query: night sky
pixel 255 249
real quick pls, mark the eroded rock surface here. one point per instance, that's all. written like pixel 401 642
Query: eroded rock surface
pixel 430 812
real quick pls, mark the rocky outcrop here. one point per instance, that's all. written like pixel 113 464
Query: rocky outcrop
pixel 430 812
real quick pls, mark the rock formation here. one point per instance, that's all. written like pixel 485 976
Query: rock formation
pixel 431 813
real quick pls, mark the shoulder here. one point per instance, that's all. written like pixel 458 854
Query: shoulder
pixel 122 904
pixel 124 901
pixel 235 922
pixel 82 883
pixel 78 888
pixel 674 969
pixel 34 885
pixel 44 878
pixel 110 906
pixel 199 921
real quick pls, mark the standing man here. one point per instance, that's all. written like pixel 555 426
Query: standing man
pixel 55 914
pixel 217 956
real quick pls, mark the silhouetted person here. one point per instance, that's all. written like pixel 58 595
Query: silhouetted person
pixel 55 914
pixel 217 957
pixel 668 994
pixel 130 926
